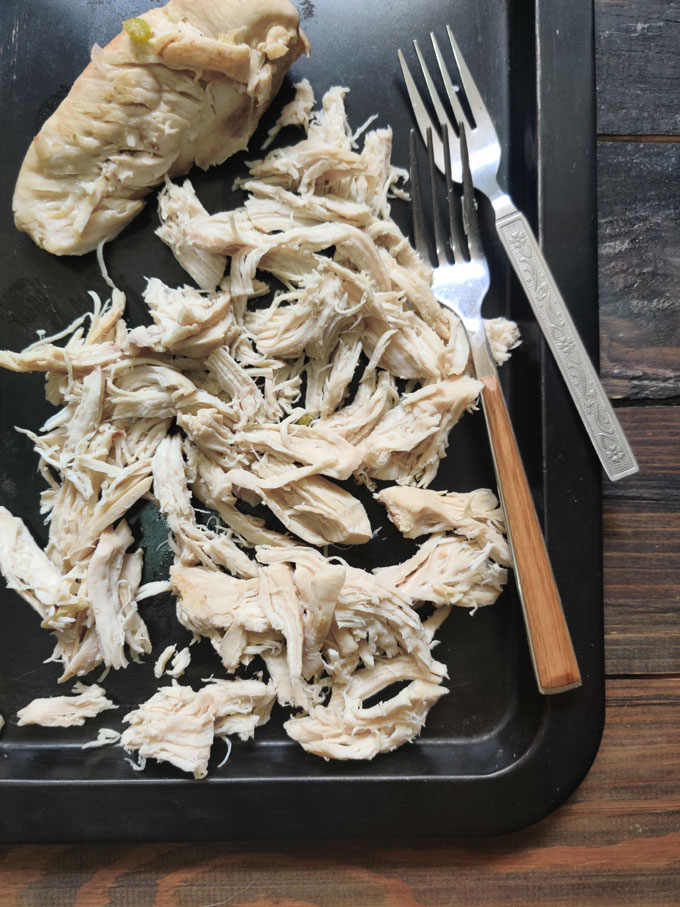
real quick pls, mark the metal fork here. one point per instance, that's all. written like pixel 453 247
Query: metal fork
pixel 523 251
pixel 462 286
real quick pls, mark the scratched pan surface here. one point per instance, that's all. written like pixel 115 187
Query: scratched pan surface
pixel 495 755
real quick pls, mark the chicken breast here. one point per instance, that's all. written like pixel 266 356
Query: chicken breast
pixel 182 84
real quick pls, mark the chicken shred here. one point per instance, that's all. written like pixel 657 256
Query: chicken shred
pixel 66 711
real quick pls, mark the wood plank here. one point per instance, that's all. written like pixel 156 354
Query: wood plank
pixel 641 541
pixel 642 586
pixel 639 268
pixel 638 79
pixel 654 435
pixel 617 841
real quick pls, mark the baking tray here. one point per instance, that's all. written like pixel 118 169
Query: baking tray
pixel 494 755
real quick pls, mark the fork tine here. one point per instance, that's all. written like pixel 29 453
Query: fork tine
pixel 475 101
pixel 451 89
pixel 423 118
pixel 442 115
pixel 417 214
pixel 470 219
pixel 456 233
pixel 439 241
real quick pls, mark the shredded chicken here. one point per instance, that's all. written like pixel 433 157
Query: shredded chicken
pixel 66 711
pixel 236 395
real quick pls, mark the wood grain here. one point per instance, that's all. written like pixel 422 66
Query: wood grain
pixel 642 586
pixel 617 841
pixel 551 648
pixel 641 545
pixel 639 268
pixel 638 79
pixel 654 435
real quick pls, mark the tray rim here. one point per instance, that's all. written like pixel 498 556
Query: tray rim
pixel 517 795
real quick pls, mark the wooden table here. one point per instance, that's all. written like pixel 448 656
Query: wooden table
pixel 617 840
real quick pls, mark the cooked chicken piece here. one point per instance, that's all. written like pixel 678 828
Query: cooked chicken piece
pixel 375 396
pixel 325 156
pixel 178 725
pixel 174 499
pixel 448 570
pixel 163 659
pixel 308 319
pixel 379 174
pixel 323 451
pixel 210 600
pixel 49 358
pixel 315 509
pixel 28 570
pixel 235 382
pixel 180 662
pixel 182 84
pixel 2 723
pixel 211 433
pixel 66 711
pixel 415 280
pixel 117 497
pixel 105 737
pixel 406 349
pixel 228 611
pixel 88 413
pixel 240 705
pixel 476 515
pixel 69 514
pixel 280 605
pixel 503 336
pixel 187 322
pixel 271 208
pixel 139 440
pixel 107 319
pixel 213 486
pixel 371 619
pixel 175 204
pixel 142 389
pixel 346 729
pixel 328 383
pixel 294 113
pixel 175 725
pixel 192 543
pixel 111 589
pixel 409 441
pixel 220 233
pixel 319 591
pixel 295 693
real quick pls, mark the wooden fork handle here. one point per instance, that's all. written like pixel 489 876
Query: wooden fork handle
pixel 552 651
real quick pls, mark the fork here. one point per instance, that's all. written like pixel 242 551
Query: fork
pixel 522 249
pixel 461 286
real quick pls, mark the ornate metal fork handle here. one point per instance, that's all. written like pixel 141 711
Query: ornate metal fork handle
pixel 563 339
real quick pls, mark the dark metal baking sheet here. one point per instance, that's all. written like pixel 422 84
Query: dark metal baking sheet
pixel 495 755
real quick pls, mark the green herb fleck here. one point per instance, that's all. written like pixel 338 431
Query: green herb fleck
pixel 138 29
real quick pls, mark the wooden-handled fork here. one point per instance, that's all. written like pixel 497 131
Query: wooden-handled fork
pixel 461 285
